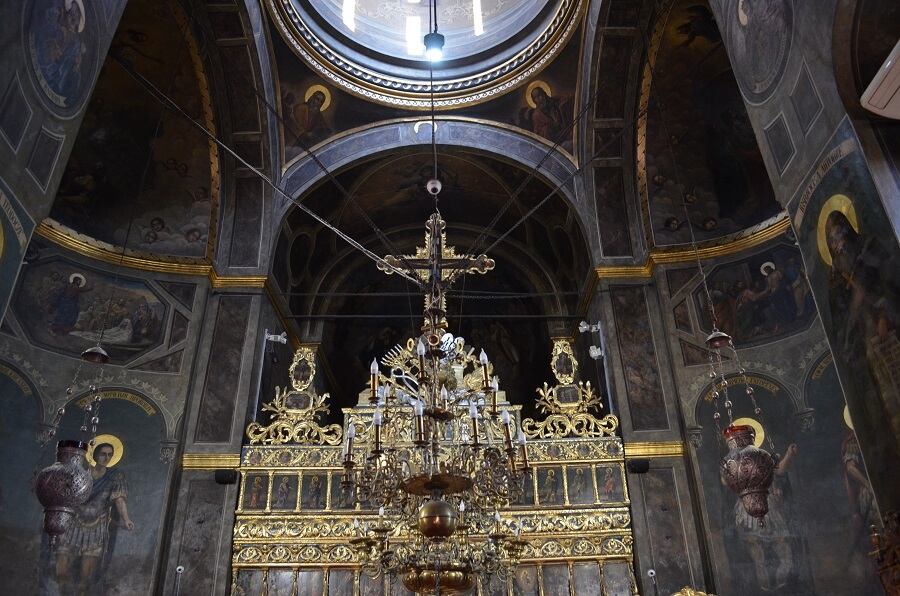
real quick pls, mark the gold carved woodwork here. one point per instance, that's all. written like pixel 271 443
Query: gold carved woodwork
pixel 295 412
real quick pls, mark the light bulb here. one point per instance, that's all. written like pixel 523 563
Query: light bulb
pixel 504 416
pixel 376 417
pixel 473 411
pixel 418 408
pixel 374 368
pixel 351 431
pixel 483 358
pixel 420 349
pixel 434 46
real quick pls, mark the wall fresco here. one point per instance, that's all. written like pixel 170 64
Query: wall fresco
pixel 66 307
pixel 813 535
pixel 759 299
pixel 112 548
pixel 852 257
pixel 139 175
pixel 639 362
pixel 696 113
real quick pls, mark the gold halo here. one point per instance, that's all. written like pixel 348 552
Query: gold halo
pixel 531 87
pixel 762 268
pixel 760 434
pixel 840 203
pixel 75 276
pixel 118 449
pixel 325 91
pixel 847 419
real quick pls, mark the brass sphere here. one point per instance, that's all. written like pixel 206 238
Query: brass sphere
pixel 437 519
pixel 455 580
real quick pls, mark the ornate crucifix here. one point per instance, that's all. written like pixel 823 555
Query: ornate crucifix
pixel 434 264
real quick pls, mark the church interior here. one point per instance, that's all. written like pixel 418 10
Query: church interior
pixel 603 300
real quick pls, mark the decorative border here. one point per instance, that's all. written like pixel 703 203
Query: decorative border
pixel 387 89
pixel 210 461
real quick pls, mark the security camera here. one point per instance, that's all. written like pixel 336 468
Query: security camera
pixel 433 186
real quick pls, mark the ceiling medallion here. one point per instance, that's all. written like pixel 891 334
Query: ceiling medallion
pixel 407 85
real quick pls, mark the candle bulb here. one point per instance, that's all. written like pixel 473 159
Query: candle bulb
pixel 373 385
pixel 473 414
pixel 376 423
pixel 484 366
pixel 356 526
pixel 522 450
pixel 348 449
pixel 504 418
pixel 495 387
pixel 518 526
pixel 420 351
pixel 420 423
pixel 381 512
pixel 445 396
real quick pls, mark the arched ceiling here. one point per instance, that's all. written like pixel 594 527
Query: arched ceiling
pixel 532 294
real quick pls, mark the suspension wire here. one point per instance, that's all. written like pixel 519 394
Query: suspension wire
pixel 475 247
pixel 471 294
pixel 717 359
pixel 156 93
pixel 273 111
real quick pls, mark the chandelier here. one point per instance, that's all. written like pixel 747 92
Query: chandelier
pixel 438 460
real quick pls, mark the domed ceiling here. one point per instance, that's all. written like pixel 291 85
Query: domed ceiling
pixel 373 48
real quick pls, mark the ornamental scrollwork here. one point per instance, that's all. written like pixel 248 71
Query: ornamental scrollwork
pixel 294 412
pixel 569 407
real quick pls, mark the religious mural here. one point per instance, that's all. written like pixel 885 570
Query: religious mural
pixel 67 307
pixel 813 538
pixel 15 229
pixel 760 298
pixel 699 138
pixel 313 111
pixel 62 51
pixel 852 256
pixel 110 547
pixel 140 175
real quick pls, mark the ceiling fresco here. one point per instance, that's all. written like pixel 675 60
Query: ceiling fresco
pixel 314 110
pixel 372 60
pixel 699 138
pixel 139 176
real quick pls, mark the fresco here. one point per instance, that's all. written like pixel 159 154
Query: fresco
pixel 759 35
pixel 638 354
pixel 811 542
pixel 20 513
pixel 111 549
pixel 760 298
pixel 139 175
pixel 65 307
pixel 62 51
pixel 852 257
pixel 702 120
pixel 313 111
pixel 15 228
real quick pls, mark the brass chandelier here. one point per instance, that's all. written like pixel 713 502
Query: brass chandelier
pixel 438 460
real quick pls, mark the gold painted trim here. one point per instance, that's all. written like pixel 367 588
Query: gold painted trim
pixel 248 281
pixel 654 449
pixel 357 79
pixel 102 252
pixel 645 270
pixel 210 461
pixel 687 255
